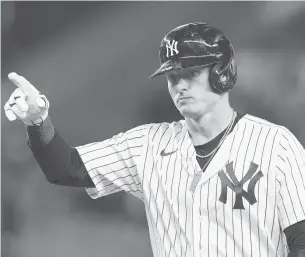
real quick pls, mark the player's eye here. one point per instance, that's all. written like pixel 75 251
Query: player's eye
pixel 172 78
pixel 190 74
pixel 195 73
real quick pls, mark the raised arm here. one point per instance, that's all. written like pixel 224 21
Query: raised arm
pixel 60 163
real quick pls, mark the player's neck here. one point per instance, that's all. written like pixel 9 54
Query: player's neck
pixel 209 125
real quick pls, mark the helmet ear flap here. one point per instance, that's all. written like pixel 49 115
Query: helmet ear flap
pixel 223 75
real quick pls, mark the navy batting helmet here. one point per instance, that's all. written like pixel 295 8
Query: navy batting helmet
pixel 199 44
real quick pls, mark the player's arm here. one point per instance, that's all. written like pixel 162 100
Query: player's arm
pixel 295 236
pixel 60 163
pixel 103 167
pixel 291 187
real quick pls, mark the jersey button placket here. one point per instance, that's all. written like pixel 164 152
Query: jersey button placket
pixel 196 224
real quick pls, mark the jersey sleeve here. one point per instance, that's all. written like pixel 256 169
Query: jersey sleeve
pixel 290 177
pixel 113 164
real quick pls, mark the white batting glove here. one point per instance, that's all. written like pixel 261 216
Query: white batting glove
pixel 26 102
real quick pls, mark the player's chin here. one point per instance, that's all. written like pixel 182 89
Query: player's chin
pixel 188 112
pixel 193 111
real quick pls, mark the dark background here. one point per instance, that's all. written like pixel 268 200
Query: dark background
pixel 92 60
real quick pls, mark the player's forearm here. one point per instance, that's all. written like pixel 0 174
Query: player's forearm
pixel 295 235
pixel 60 163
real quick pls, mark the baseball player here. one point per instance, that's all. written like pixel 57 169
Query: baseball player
pixel 216 183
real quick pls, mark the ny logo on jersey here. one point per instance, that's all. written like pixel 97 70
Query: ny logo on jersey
pixel 237 186
pixel 171 46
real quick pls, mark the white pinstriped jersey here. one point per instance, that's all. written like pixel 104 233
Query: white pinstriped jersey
pixel 250 192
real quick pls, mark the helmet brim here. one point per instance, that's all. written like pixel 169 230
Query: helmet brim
pixel 187 62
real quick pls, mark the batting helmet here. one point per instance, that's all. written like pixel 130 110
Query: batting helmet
pixel 199 44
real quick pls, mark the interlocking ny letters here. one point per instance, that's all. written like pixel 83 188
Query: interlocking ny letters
pixel 237 186
pixel 171 46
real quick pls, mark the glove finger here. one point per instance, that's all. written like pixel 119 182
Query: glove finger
pixel 22 104
pixel 10 115
pixel 11 100
pixel 23 84
pixel 6 106
pixel 18 92
pixel 14 107
pixel 17 111
pixel 19 98
pixel 14 96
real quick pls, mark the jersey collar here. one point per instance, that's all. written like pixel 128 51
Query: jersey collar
pixel 187 151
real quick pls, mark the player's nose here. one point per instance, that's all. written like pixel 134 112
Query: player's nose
pixel 182 85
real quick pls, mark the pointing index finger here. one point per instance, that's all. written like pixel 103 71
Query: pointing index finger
pixel 23 84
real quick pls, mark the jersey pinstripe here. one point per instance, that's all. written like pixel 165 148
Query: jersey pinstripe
pixel 250 192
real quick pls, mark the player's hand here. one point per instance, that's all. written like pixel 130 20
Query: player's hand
pixel 26 102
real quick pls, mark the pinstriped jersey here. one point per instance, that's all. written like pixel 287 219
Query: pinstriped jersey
pixel 250 192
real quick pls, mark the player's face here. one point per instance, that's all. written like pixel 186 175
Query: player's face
pixel 191 91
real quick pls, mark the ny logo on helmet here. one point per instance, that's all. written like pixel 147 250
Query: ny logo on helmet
pixel 171 47
pixel 237 186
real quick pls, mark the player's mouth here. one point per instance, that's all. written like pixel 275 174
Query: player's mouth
pixel 182 99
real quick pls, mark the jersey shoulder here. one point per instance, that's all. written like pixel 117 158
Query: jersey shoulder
pixel 283 132
pixel 258 121
pixel 155 130
pixel 264 123
pixel 165 129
